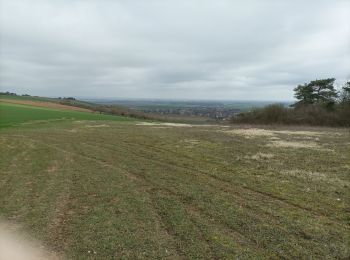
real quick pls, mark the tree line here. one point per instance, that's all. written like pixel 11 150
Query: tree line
pixel 319 102
pixel 322 92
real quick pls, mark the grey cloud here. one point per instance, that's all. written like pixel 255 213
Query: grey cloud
pixel 172 49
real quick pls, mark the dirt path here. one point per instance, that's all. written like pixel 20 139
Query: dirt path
pixel 16 246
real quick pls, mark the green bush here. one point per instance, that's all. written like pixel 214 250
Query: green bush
pixel 314 114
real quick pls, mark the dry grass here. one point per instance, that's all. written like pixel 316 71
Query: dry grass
pixel 164 124
pixel 293 144
pixel 261 156
pixel 301 132
pixel 250 133
pixel 258 132
pixel 191 141
pixel 96 126
pixel 315 176
pixel 285 138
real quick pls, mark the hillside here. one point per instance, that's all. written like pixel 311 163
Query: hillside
pixel 93 187
pixel 23 111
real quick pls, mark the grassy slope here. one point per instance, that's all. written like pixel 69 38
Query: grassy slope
pixel 35 98
pixel 137 191
pixel 11 114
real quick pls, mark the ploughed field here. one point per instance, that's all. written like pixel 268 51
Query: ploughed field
pixel 130 189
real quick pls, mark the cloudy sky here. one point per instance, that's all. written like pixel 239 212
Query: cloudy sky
pixel 193 49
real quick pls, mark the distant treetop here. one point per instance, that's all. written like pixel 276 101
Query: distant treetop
pixel 319 91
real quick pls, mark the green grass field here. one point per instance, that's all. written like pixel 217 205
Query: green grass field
pixel 111 190
pixel 14 114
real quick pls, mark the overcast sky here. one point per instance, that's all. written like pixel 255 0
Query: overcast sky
pixel 193 49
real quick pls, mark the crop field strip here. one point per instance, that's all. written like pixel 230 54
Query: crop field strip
pixel 43 104
pixel 12 114
pixel 200 201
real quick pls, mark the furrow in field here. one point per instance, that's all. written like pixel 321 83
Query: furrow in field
pixel 142 153
pixel 177 192
pixel 134 176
